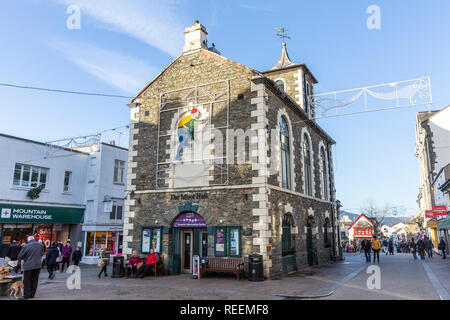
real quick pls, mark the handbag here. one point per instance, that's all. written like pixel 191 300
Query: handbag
pixel 100 262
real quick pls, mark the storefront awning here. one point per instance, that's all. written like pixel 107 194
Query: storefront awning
pixel 445 224
pixel 37 214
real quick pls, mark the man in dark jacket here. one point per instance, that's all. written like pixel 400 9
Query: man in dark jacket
pixel 76 257
pixel 412 245
pixel 429 247
pixel 442 246
pixel 50 259
pixel 13 251
pixel 31 254
pixel 366 246
pixel 421 248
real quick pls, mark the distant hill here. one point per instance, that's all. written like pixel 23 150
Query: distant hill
pixel 387 220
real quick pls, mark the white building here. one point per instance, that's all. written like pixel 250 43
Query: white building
pixel 432 141
pixel 77 185
pixel 104 194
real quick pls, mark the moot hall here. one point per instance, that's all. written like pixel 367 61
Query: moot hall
pixel 186 201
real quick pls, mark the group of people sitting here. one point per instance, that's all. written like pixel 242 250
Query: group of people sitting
pixel 135 268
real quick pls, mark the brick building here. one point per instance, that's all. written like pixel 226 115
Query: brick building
pixel 228 161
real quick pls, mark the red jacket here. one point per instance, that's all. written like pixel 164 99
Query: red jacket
pixel 134 260
pixel 151 259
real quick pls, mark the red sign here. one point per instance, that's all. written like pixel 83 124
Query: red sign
pixel 429 214
pixel 440 210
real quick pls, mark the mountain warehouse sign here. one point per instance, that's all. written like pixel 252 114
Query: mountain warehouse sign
pixel 32 214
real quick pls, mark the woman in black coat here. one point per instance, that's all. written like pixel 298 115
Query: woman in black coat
pixel 52 255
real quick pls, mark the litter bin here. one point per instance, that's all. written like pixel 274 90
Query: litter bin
pixel 255 267
pixel 117 271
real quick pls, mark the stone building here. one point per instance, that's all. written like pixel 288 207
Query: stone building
pixel 228 161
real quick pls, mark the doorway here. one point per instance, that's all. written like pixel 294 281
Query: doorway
pixel 187 249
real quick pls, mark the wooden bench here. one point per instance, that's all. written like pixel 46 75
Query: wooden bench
pixel 223 264
pixel 158 267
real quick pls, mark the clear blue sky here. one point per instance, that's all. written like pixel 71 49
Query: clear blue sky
pixel 122 45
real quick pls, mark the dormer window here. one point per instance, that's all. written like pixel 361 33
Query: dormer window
pixel 280 84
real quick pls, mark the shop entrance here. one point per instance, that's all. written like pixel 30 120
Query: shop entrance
pixel 189 238
pixel 186 251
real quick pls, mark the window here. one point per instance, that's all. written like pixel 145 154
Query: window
pixel 286 238
pixel 92 169
pixel 117 211
pixel 306 86
pixel 67 181
pixel 307 161
pixel 119 168
pixel 151 238
pixel 227 241
pixel 280 84
pixel 326 238
pixel 285 154
pixel 323 163
pixel 29 176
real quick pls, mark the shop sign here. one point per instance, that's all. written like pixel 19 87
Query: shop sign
pixel 429 214
pixel 189 220
pixel 431 224
pixel 189 196
pixel 440 210
pixel 36 214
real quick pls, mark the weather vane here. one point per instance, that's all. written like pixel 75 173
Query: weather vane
pixel 282 34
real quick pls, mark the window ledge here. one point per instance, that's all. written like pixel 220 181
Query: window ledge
pixel 67 193
pixel 27 189
pixel 119 183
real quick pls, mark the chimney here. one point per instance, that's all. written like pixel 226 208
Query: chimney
pixel 195 37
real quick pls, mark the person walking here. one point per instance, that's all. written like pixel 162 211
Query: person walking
pixel 429 247
pixel 366 246
pixel 76 257
pixel 31 254
pixel 385 246
pixel 442 246
pixel 66 253
pixel 391 247
pixel 376 246
pixel 60 247
pixel 50 259
pixel 421 248
pixel 104 256
pixel 412 245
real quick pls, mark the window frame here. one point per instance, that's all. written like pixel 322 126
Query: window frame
pixel 284 89
pixel 324 176
pixel 229 228
pixel 151 238
pixel 69 185
pixel 285 154
pixel 119 167
pixel 307 175
pixel 29 181
pixel 225 241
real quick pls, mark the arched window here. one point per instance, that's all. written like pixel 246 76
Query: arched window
pixel 324 167
pixel 280 84
pixel 326 238
pixel 307 161
pixel 285 154
pixel 286 239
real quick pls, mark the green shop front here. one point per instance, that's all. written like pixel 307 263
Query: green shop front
pixel 188 236
pixel 50 223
